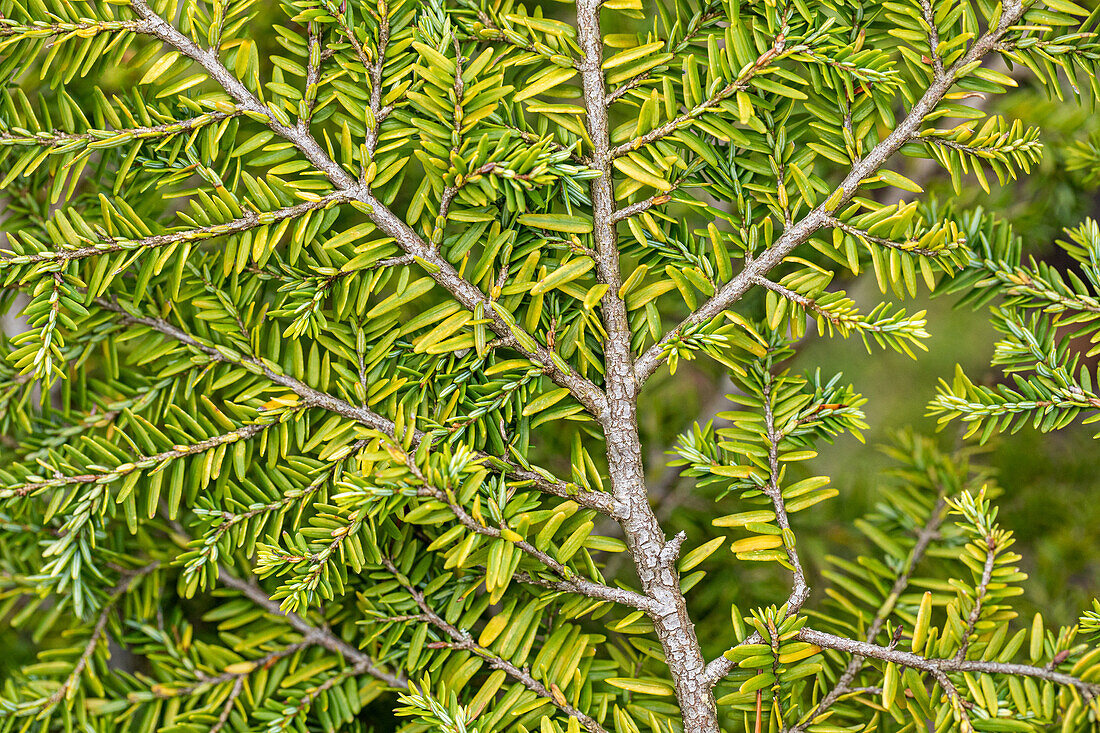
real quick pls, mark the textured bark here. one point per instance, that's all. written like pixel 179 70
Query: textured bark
pixel 654 556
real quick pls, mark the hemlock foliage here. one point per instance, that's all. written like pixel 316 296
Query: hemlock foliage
pixel 331 395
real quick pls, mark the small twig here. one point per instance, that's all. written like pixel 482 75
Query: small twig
pixel 739 85
pixel 697 25
pixel 909 247
pixel 311 633
pixel 979 597
pixel 933 666
pixel 313 74
pixel 461 639
pixel 98 630
pixel 58 138
pixel 799 590
pixel 230 701
pixel 375 70
pixel 204 682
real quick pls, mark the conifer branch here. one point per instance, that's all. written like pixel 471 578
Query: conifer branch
pixel 313 397
pixel 461 639
pixel 237 677
pixel 641 206
pixel 94 139
pixel 440 269
pixel 493 32
pixel 100 628
pixel 10 28
pixel 1034 288
pixel 838 310
pixel 979 597
pixel 377 113
pixel 909 246
pixel 313 75
pixel 721 666
pixel 698 23
pixel 936 667
pixel 229 520
pixel 109 245
pixel 139 463
pixel 531 139
pixel 228 705
pixel 427 446
pixel 802 230
pixel 311 633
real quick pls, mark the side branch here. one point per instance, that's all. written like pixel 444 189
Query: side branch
pixel 738 85
pixel 94 138
pixel 800 591
pixel 461 639
pixel 938 667
pixel 138 464
pixel 805 228
pixel 98 631
pixel 249 221
pixel 440 269
pixel 313 634
pixel 316 398
pixel 570 581
pixel 641 206
pixel 908 246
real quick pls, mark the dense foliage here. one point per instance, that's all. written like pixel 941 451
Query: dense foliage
pixel 346 327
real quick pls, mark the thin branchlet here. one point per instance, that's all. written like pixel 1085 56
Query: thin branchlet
pixel 461 639
pixel 316 398
pixel 798 233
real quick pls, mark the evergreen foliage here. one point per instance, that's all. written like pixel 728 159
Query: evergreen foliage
pixel 331 398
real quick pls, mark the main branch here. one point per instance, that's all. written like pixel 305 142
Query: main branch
pixel 654 556
pixel 824 214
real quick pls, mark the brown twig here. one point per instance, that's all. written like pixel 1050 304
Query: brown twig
pixel 461 639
